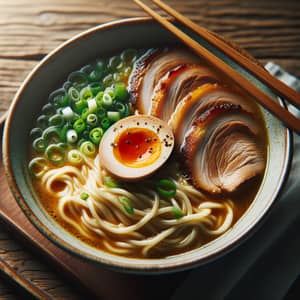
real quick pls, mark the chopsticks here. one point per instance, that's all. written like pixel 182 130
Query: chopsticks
pixel 277 86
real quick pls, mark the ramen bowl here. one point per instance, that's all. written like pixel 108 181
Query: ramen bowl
pixel 50 73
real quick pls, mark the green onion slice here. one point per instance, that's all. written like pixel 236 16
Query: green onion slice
pixel 48 109
pixel 59 98
pixel 177 212
pixel 105 123
pixel 84 196
pixel 73 94
pixel 113 116
pixel 88 148
pixel 109 182
pixel 36 133
pixel 107 100
pixel 92 120
pixel 79 125
pixel 75 157
pixel 127 205
pixel 96 135
pixel 52 135
pixel 56 120
pixel 55 154
pixel 166 188
pixel 121 91
pixel 42 121
pixel 39 145
pixel 78 79
pixel 72 136
pixel 38 166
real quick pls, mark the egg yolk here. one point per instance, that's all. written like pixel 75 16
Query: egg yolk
pixel 137 147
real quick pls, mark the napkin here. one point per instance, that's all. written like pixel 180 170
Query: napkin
pixel 266 264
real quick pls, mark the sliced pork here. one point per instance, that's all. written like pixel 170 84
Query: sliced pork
pixel 175 85
pixel 222 149
pixel 198 101
pixel 150 68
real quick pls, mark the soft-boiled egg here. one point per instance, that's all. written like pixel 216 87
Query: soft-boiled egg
pixel 136 146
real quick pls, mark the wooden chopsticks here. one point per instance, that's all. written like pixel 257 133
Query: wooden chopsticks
pixel 277 86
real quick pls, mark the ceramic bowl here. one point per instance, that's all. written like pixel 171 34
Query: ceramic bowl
pixel 51 72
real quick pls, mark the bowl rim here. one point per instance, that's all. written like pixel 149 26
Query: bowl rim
pixel 128 266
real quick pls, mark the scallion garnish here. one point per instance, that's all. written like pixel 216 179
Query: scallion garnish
pixel 166 188
pixel 177 212
pixel 84 196
pixel 109 182
pixel 88 148
pixel 127 205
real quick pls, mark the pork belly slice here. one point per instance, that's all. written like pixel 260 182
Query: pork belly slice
pixel 223 149
pixel 150 68
pixel 198 101
pixel 175 85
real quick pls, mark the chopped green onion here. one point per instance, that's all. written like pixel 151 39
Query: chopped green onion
pixel 113 116
pixel 52 135
pixel 85 112
pixel 64 131
pixel 37 167
pixel 87 69
pixel 117 76
pixel 55 154
pixel 114 62
pixel 75 157
pixel 92 105
pixel 107 100
pixel 79 126
pixel 68 113
pixel 56 120
pixel 39 145
pixel 105 123
pixel 48 109
pixel 59 98
pixel 95 75
pixel 36 133
pixel 101 112
pixel 84 196
pixel 166 188
pixel 78 79
pixel 42 121
pixel 86 94
pixel 95 88
pixel 92 120
pixel 72 136
pixel 88 148
pixel 127 71
pixel 127 205
pixel 177 212
pixel 121 91
pixel 107 80
pixel 121 107
pixel 96 135
pixel 108 181
pixel 73 94
pixel 67 85
pixel 80 142
pixel 129 56
pixel 98 98
pixel 79 106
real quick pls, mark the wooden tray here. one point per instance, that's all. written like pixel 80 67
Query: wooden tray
pixel 96 279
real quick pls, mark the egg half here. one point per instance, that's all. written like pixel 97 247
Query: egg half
pixel 136 146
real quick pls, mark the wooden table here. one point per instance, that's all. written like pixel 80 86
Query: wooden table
pixel 269 30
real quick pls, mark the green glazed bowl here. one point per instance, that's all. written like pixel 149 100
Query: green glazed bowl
pixel 51 72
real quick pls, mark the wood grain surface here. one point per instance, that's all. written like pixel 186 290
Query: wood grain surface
pixel 269 30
